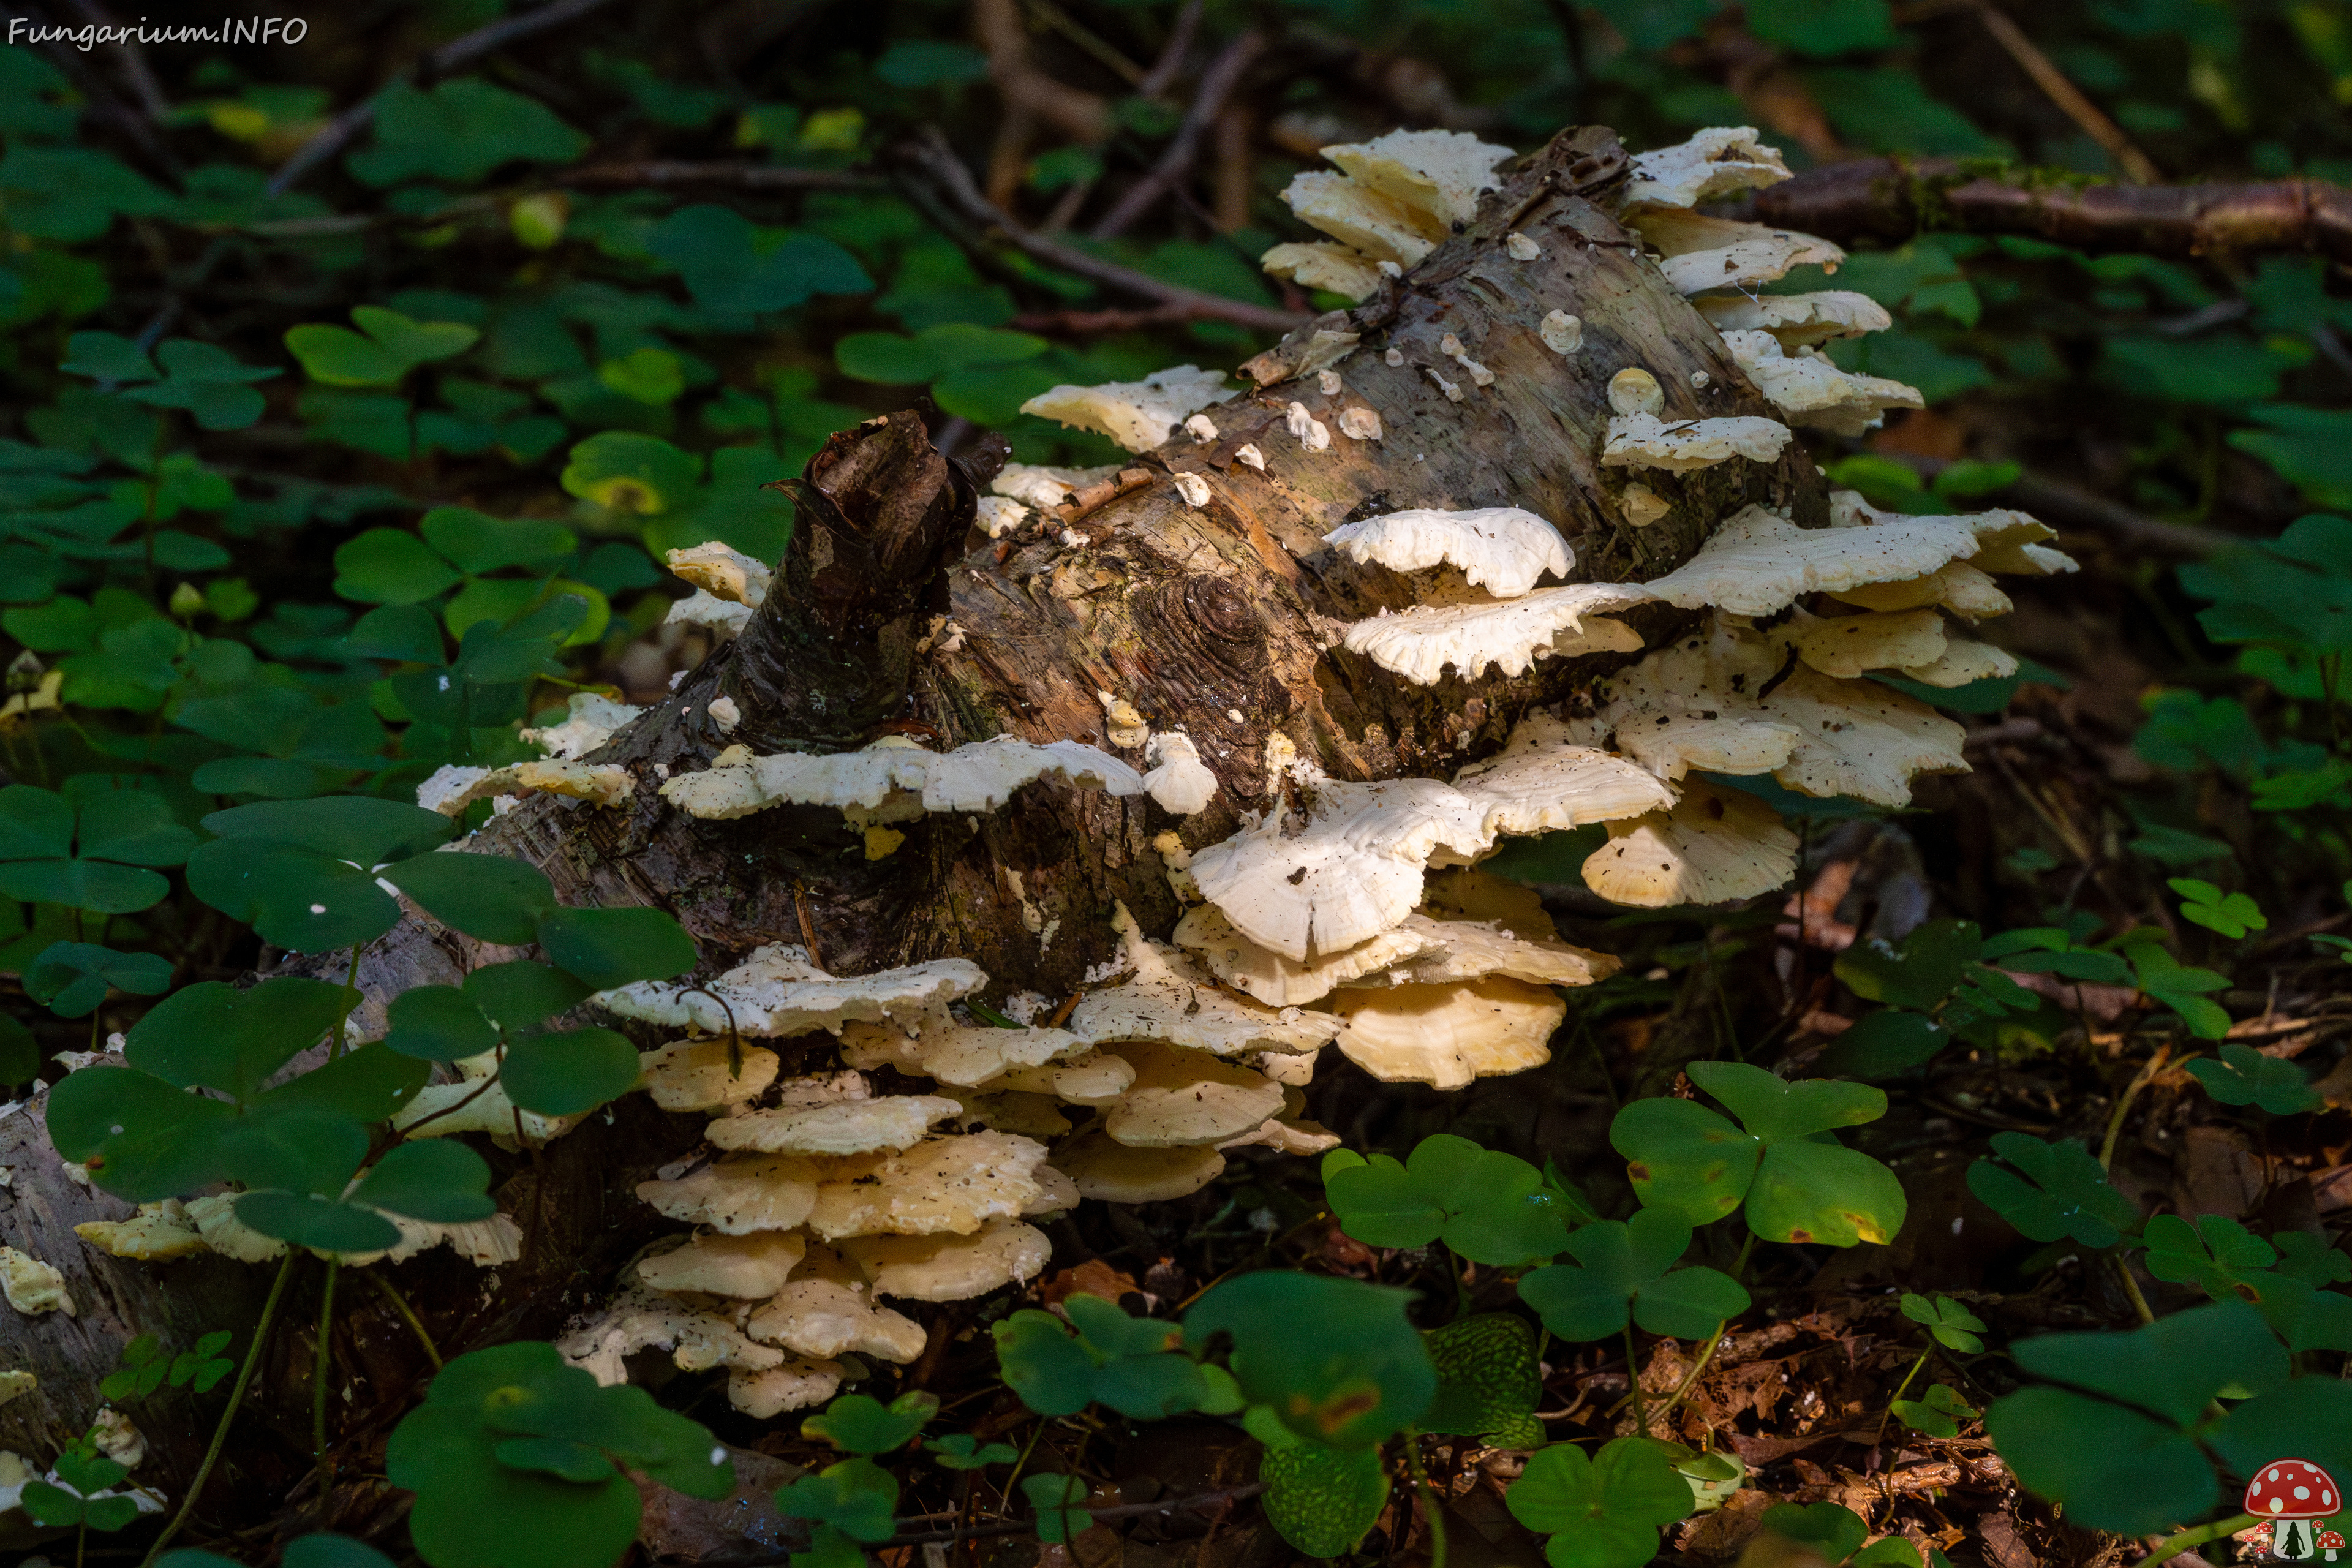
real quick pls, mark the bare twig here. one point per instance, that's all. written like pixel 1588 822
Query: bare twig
pixel 930 166
pixel 663 173
pixel 2069 98
pixel 143 84
pixel 452 56
pixel 1893 199
pixel 2057 499
pixel 1171 63
pixel 1217 84
pixel 1094 44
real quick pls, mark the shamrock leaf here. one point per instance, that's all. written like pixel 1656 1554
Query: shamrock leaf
pixel 2063 1191
pixel 387 346
pixel 73 977
pixel 1055 1499
pixel 1938 1413
pixel 1954 1326
pixel 1797 1182
pixel 962 1451
pixel 2245 1076
pixel 1605 1511
pixel 859 1424
pixel 2183 989
pixel 1624 1271
pixel 1129 1363
pixel 2233 914
pixel 1488 1207
pixel 89 852
pixel 1364 1372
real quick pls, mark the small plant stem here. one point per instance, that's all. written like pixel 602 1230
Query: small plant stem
pixel 400 1304
pixel 1460 1290
pixel 319 1373
pixel 1431 1509
pixel 235 1397
pixel 1899 1389
pixel 2174 1545
pixel 2140 1080
pixel 1690 1379
pixel 81 1540
pixel 1022 1462
pixel 1633 1383
pixel 2131 1288
pixel 343 1023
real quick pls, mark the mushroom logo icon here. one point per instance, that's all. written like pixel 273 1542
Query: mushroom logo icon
pixel 2291 1494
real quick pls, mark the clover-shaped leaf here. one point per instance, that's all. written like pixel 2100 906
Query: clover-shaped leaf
pixel 1927 967
pixel 2232 914
pixel 1953 1326
pixel 91 852
pixel 1319 1500
pixel 477 1506
pixel 1605 1511
pixel 302 871
pixel 2184 989
pixel 1939 1413
pixel 2245 1076
pixel 860 1424
pixel 2214 1253
pixel 1055 1499
pixel 205 380
pixel 393 567
pixel 963 1451
pixel 2310 1257
pixel 387 346
pixel 1129 1363
pixel 1624 1271
pixel 73 977
pixel 845 1504
pixel 81 1494
pixel 2229 1262
pixel 1797 1182
pixel 1882 1044
pixel 1488 1207
pixel 2063 1193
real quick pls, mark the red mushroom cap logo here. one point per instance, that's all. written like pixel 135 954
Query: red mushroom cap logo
pixel 2291 1489
pixel 2330 1542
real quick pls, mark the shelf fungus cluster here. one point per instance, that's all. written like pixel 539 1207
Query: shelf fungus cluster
pixel 1396 199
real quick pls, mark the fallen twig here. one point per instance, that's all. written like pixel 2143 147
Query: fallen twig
pixel 927 162
pixel 661 173
pixel 1217 84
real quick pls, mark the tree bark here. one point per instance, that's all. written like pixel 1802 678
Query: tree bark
pixel 889 615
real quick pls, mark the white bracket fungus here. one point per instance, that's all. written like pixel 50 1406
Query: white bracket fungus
pixel 778 992
pixel 703 1075
pixel 738 1197
pixel 591 718
pixel 1034 484
pixel 723 572
pixel 1704 252
pixel 965 1055
pixel 439 1110
pixel 1421 643
pixel 723 617
pixel 1635 390
pixel 999 515
pixel 1543 780
pixel 1642 441
pixel 895 781
pixel 1193 489
pixel 1379 228
pixel 1520 248
pixel 1311 432
pixel 1182 1098
pixel 1167 1000
pixel 1114 1173
pixel 216 1221
pixel 641 1319
pixel 1350 870
pixel 1280 982
pixel 1670 747
pixel 31 1286
pixel 156 1233
pixel 1798 321
pixel 1846 645
pixel 1138 414
pixel 1561 332
pixel 1201 428
pixel 953 1184
pixel 1714 845
pixel 825 1311
pixel 1721 161
pixel 1179 782
pixel 1810 390
pixel 598 783
pixel 1457 951
pixel 1450 347
pixel 797 1384
pixel 951 1268
pixel 1757 562
pixel 891 1123
pixel 748 1267
pixel 1358 423
pixel 1327 383
pixel 1961 588
pixel 1963 661
pixel 1643 506
pixel 1500 549
pixel 1250 456
pixel 1449 1035
pixel 1437 173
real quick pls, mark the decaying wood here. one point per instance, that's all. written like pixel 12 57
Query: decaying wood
pixel 1892 199
pixel 891 615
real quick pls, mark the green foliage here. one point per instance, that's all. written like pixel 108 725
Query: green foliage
pixel 1365 1374
pixel 515 1459
pixel 1602 1511
pixel 1134 1365
pixel 1937 1414
pixel 1951 1325
pixel 82 1494
pixel 146 1367
pixel 859 1424
pixel 2063 1193
pixel 1322 1499
pixel 1624 1270
pixel 2245 1076
pixel 1055 1499
pixel 1488 1381
pixel 1488 1207
pixel 1794 1180
pixel 1836 1533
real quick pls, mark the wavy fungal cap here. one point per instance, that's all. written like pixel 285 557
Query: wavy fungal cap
pixel 1179 782
pixel 591 719
pixel 850 1127
pixel 703 1075
pixel 1722 161
pixel 1543 780
pixel 945 1184
pixel 750 1265
pixel 951 1268
pixel 778 992
pixel 1439 174
pixel 1501 549
pixel 893 780
pixel 1422 643
pixel 1168 999
pixel 1324 264
pixel 1684 446
pixel 1796 320
pixel 1810 390
pixel 723 572
pixel 1138 414
pixel 1280 982
pixel 1758 563
pixel 736 1197
pixel 1116 1173
pixel 1182 1097
pixel 1449 1035
pixel 1714 845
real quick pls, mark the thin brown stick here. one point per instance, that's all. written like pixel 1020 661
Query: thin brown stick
pixel 1893 199
pixel 452 56
pixel 932 168
pixel 1171 63
pixel 663 173
pixel 2069 99
pixel 1217 84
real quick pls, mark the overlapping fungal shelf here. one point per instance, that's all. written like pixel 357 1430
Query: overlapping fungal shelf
pixel 920 1133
